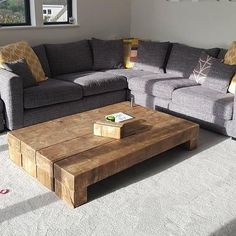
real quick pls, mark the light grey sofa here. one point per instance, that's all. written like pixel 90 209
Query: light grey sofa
pixel 74 89
pixel 174 93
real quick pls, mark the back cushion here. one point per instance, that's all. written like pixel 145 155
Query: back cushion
pixel 183 59
pixel 69 57
pixel 222 53
pixel 151 56
pixel 42 56
pixel 108 54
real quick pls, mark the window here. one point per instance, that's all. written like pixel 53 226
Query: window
pixel 14 12
pixel 58 11
pixel 44 12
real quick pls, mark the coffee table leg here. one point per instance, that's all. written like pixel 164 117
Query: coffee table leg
pixel 80 197
pixel 191 144
pixel 73 199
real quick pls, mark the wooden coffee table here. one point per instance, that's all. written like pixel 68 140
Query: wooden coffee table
pixel 66 157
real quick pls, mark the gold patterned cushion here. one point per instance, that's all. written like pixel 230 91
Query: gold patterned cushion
pixel 232 87
pixel 22 50
pixel 131 51
pixel 230 56
pixel 230 59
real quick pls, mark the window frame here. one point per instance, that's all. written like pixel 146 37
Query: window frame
pixel 69 15
pixel 27 17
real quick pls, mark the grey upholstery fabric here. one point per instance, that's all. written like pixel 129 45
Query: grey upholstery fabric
pixel 11 90
pixel 129 73
pixel 219 76
pixel 202 68
pixel 183 59
pixel 222 53
pixel 234 116
pixel 96 82
pixel 69 57
pixel 51 92
pixel 204 100
pixel 1 106
pixel 21 68
pixel 107 54
pixel 2 121
pixel 42 56
pixel 197 116
pixel 151 56
pixel 231 128
pixel 150 101
pixel 34 116
pixel 159 86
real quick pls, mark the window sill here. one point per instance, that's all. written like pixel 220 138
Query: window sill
pixel 38 27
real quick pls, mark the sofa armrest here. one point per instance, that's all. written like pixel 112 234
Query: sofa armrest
pixel 11 91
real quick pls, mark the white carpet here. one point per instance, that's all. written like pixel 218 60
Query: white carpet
pixel 177 193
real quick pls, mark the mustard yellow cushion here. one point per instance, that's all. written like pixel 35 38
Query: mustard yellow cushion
pixel 230 56
pixel 232 87
pixel 131 51
pixel 22 50
pixel 230 59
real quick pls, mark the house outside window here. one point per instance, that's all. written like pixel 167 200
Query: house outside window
pixel 57 11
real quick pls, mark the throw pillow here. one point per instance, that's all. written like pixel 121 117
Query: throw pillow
pixel 21 68
pixel 22 50
pixel 230 59
pixel 212 73
pixel 219 76
pixel 151 56
pixel 230 56
pixel 131 52
pixel 232 86
pixel 108 54
pixel 202 69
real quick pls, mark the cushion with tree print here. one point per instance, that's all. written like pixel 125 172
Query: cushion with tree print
pixel 202 69
pixel 212 73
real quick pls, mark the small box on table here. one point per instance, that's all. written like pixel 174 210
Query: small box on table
pixel 118 130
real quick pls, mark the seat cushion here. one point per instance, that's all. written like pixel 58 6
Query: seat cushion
pixel 151 56
pixel 206 120
pixel 204 100
pixel 159 85
pixel 130 73
pixel 69 57
pixel 51 92
pixel 150 101
pixel 183 59
pixel 96 82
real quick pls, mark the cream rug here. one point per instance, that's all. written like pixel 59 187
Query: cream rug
pixel 177 193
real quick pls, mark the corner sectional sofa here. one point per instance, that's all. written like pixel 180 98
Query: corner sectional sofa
pixel 75 85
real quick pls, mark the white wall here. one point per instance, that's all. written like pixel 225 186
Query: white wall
pixel 204 24
pixel 97 18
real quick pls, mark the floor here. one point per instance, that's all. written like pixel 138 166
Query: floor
pixel 177 193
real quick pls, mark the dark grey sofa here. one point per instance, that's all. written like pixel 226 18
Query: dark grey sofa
pixel 76 88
